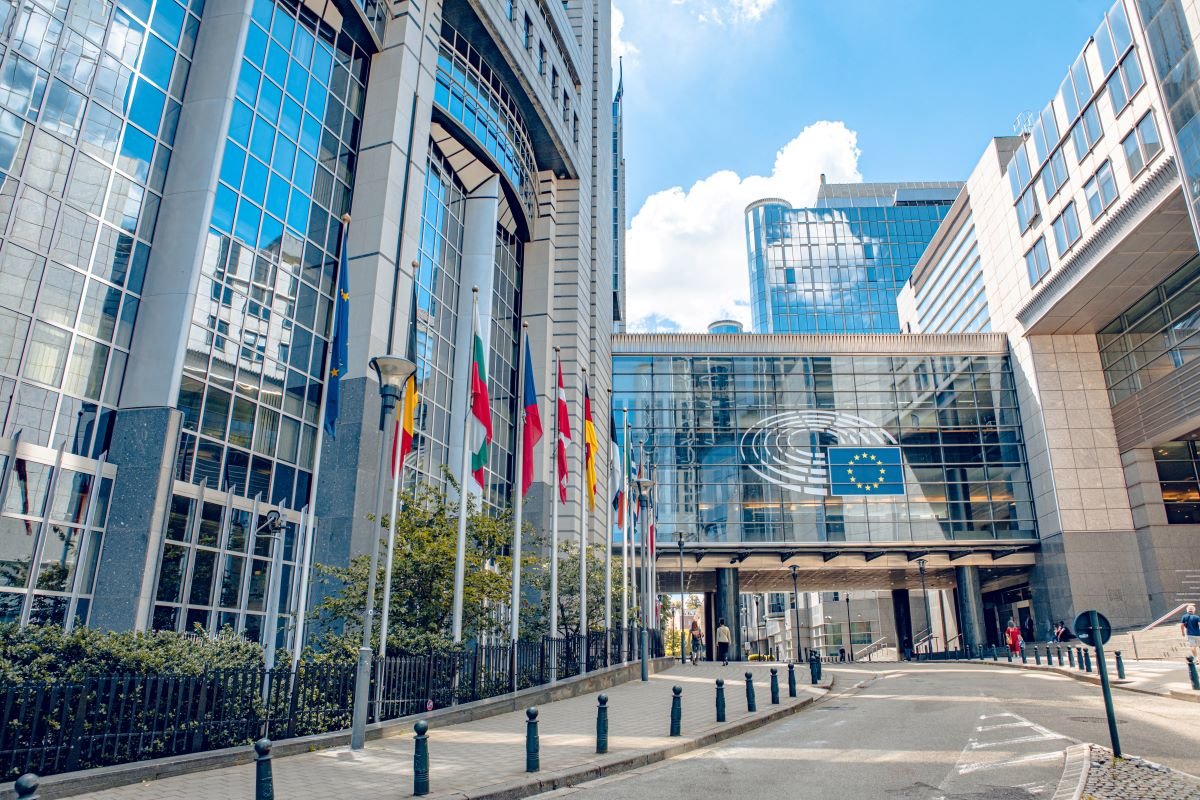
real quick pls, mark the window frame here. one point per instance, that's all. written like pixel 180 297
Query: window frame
pixel 1097 182
pixel 1063 240
pixel 1038 249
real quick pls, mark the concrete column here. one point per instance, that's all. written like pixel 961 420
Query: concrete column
pixel 143 448
pixel 970 597
pixel 726 605
pixel 478 270
pixel 172 275
pixel 902 613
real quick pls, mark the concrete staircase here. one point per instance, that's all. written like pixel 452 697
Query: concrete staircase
pixel 1156 643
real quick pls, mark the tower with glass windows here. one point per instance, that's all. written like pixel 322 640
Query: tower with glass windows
pixel 838 266
pixel 175 177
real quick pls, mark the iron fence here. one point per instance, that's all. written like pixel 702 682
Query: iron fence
pixel 49 728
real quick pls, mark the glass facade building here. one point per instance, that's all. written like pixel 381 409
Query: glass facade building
pixel 837 267
pixel 738 431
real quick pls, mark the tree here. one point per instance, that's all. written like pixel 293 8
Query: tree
pixel 422 598
pixel 535 618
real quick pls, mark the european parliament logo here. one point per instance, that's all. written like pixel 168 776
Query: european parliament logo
pixel 865 471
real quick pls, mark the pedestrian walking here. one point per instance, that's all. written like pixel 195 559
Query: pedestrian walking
pixel 723 639
pixel 1029 630
pixel 1189 624
pixel 697 641
pixel 1012 634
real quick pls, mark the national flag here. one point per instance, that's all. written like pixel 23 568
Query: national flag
pixel 481 407
pixel 338 360
pixel 533 424
pixel 564 436
pixel 406 414
pixel 615 472
pixel 591 447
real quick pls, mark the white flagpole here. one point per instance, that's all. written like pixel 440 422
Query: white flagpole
pixel 608 536
pixel 584 488
pixel 625 498
pixel 518 489
pixel 391 545
pixel 554 500
pixel 460 560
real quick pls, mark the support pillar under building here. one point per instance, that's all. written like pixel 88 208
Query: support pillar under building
pixel 970 599
pixel 902 612
pixel 728 608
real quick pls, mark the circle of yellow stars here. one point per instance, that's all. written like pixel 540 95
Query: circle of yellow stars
pixel 862 460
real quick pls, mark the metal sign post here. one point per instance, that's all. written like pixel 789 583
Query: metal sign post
pixel 1093 628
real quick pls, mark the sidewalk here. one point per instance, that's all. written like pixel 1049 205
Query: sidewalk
pixel 486 758
pixel 1166 678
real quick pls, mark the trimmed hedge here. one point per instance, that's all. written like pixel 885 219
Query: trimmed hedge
pixel 48 654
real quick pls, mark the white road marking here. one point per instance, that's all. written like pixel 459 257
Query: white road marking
pixel 966 769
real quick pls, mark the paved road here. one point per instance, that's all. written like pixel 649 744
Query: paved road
pixel 920 732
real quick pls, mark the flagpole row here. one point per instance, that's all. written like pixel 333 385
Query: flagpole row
pixel 625 508
pixel 584 487
pixel 608 528
pixel 460 559
pixel 559 481
pixel 519 490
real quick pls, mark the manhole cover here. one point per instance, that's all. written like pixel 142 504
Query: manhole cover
pixel 1097 720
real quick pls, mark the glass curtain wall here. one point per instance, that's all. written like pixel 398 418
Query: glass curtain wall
pixel 954 418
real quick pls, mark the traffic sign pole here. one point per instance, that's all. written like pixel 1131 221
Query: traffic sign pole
pixel 1098 630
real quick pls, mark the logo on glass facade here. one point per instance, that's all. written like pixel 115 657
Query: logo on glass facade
pixel 796 449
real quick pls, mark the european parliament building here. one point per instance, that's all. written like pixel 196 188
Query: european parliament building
pixel 1026 439
pixel 174 183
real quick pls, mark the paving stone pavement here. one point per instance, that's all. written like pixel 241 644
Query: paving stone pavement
pixel 472 756
pixel 1135 779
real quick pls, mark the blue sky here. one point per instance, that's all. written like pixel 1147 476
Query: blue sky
pixel 727 100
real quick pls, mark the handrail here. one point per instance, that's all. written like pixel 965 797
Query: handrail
pixel 873 648
pixel 1164 617
pixel 955 638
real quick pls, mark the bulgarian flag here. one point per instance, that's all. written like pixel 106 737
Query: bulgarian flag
pixel 480 420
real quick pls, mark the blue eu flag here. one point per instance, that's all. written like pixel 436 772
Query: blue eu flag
pixel 865 471
pixel 338 359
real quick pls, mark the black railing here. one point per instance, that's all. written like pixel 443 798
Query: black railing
pixel 50 728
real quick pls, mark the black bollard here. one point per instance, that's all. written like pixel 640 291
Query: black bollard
pixel 264 785
pixel 995 655
pixel 602 724
pixel 774 686
pixel 676 709
pixel 532 761
pixel 1024 658
pixel 421 758
pixel 1191 661
pixel 814 667
pixel 791 680
pixel 1071 657
pixel 750 704
pixel 1037 655
pixel 1087 660
pixel 1009 653
pixel 27 786
pixel 720 700
pixel 1058 649
pixel 1120 666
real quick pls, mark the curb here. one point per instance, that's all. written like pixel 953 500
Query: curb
pixel 612 765
pixel 82 782
pixel 1076 765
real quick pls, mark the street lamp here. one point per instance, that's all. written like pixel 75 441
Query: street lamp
pixel 925 601
pixel 849 631
pixel 796 610
pixel 680 539
pixel 644 486
pixel 393 372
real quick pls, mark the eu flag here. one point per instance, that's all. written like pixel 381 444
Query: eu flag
pixel 338 359
pixel 865 471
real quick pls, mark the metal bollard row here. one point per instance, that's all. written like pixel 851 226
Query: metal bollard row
pixel 774 686
pixel 676 710
pixel 720 700
pixel 264 783
pixel 602 724
pixel 1120 666
pixel 750 704
pixel 533 760
pixel 421 758
pixel 27 786
pixel 1191 662
pixel 791 680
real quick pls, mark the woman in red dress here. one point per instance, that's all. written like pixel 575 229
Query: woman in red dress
pixel 1013 635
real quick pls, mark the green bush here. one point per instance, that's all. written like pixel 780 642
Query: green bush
pixel 47 653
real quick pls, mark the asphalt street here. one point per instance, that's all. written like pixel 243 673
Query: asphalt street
pixel 920 732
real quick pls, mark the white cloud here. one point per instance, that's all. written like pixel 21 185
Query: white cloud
pixel 620 47
pixel 718 12
pixel 686 250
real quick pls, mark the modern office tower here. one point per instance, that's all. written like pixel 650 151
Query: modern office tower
pixel 1085 255
pixel 175 180
pixel 837 267
pixel 620 311
pixel 726 326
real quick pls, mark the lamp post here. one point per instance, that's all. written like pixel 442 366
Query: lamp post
pixel 644 486
pixel 925 600
pixel 796 610
pixel 680 539
pixel 849 631
pixel 392 372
